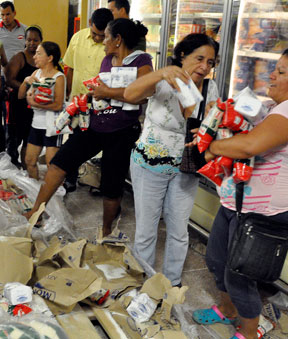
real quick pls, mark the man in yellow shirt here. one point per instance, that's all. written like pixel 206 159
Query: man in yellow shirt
pixel 83 58
pixel 86 52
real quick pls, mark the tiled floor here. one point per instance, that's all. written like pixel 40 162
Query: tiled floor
pixel 87 213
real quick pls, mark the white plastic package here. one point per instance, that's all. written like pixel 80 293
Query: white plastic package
pixel 141 308
pixel 59 219
pixel 189 94
pixel 121 77
pixel 17 293
pixel 247 103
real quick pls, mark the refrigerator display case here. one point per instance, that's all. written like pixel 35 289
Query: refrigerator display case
pixel 261 37
pixel 198 16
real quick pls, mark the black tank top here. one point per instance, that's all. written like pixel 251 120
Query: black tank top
pixel 26 70
pixel 18 110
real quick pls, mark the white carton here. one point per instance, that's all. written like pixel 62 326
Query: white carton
pixel 17 293
pixel 247 103
pixel 250 108
pixel 189 94
pixel 121 77
pixel 141 307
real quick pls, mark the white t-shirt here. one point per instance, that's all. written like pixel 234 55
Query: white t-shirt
pixel 39 117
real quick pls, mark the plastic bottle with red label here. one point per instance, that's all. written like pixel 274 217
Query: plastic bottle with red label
pixel 84 114
pixel 209 126
pixel 67 114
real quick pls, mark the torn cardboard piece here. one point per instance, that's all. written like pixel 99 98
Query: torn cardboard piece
pixel 69 253
pixel 116 265
pixel 66 286
pixel 16 261
pixel 161 324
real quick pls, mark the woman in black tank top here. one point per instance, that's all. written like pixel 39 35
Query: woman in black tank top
pixel 20 116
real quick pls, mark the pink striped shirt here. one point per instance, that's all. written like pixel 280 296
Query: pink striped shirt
pixel 267 190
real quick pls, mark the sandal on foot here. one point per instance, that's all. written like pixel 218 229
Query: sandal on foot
pixel 211 316
pixel 238 335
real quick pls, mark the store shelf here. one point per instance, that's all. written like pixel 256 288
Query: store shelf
pixel 266 15
pixel 202 15
pixel 152 18
pixel 261 55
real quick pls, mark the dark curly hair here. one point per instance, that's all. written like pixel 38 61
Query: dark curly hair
pixel 189 44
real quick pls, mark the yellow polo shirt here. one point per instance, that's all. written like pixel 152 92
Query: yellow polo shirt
pixel 85 57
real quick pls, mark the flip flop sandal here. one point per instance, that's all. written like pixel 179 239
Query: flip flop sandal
pixel 238 335
pixel 211 316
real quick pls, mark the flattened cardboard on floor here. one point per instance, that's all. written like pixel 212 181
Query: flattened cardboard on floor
pixel 16 261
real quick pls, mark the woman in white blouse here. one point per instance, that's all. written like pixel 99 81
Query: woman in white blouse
pixel 158 185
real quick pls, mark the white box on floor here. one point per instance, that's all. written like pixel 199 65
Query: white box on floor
pixel 17 293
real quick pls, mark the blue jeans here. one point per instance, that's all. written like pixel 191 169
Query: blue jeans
pixel 242 291
pixel 173 195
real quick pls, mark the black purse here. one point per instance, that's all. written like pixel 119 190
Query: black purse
pixel 192 159
pixel 259 245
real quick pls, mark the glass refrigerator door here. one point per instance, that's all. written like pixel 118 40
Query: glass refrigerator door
pixel 194 16
pixel 261 37
pixel 149 12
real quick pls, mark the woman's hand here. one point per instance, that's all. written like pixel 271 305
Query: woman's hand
pixel 208 107
pixel 194 131
pixel 101 91
pixel 30 98
pixel 170 73
pixel 30 79
pixel 209 155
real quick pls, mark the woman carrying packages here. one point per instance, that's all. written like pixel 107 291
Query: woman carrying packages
pixel 265 193
pixel 158 184
pixel 113 130
pixel 46 59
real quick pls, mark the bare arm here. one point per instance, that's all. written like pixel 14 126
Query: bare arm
pixel 24 86
pixel 105 92
pixel 57 104
pixel 145 87
pixel 12 69
pixel 271 133
pixel 69 80
pixel 4 60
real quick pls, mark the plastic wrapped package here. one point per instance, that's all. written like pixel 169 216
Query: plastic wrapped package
pixel 178 311
pixel 34 329
pixel 280 300
pixel 12 224
pixel 40 323
pixel 59 218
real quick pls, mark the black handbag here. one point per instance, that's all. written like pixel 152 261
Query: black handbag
pixel 259 245
pixel 192 159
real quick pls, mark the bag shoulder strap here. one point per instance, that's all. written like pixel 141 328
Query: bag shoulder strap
pixel 239 198
pixel 201 111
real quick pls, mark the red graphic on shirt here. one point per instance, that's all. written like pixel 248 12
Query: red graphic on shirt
pixel 268 179
pixel 20 37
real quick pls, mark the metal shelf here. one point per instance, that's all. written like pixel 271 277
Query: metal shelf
pixel 261 55
pixel 266 15
pixel 152 18
pixel 208 15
